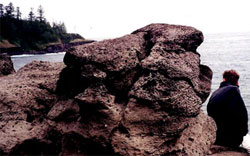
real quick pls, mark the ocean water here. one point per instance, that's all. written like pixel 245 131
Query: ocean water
pixel 218 51
pixel 228 51
pixel 21 60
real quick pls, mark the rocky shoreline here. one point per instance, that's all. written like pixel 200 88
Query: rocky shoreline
pixel 140 94
pixel 49 49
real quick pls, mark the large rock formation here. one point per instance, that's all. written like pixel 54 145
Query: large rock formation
pixel 145 88
pixel 6 65
pixel 25 99
pixel 140 94
pixel 227 151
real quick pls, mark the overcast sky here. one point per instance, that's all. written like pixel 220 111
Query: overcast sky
pixel 99 19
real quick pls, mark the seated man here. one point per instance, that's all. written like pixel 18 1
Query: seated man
pixel 227 108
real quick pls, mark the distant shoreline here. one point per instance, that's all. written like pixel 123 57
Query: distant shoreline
pixel 49 49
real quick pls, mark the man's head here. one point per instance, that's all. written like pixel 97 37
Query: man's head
pixel 231 76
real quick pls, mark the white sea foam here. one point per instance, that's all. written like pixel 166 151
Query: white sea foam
pixel 21 60
pixel 23 55
pixel 51 54
pixel 29 55
pixel 246 142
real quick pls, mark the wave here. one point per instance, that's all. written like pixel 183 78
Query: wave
pixel 54 53
pixel 246 142
pixel 23 55
pixel 29 55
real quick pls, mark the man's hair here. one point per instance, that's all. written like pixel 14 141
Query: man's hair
pixel 231 76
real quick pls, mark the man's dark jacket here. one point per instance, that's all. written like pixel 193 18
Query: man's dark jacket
pixel 227 108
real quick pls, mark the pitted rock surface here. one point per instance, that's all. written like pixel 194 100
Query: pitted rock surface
pixel 152 85
pixel 25 99
pixel 6 65
pixel 140 94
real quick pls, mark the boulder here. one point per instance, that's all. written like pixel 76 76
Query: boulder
pixel 217 150
pixel 6 65
pixel 25 99
pixel 140 94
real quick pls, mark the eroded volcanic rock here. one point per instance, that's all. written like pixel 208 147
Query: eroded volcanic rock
pixel 143 89
pixel 25 99
pixel 6 65
pixel 140 94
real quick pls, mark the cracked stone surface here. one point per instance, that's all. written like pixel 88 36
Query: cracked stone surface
pixel 140 94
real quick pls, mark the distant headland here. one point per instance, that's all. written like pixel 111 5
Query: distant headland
pixel 34 34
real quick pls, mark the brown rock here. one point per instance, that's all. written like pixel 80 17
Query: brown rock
pixel 155 70
pixel 64 110
pixel 6 65
pixel 139 94
pixel 24 102
pixel 194 139
pixel 100 114
pixel 226 151
pixel 176 97
pixel 231 153
pixel 146 130
pixel 176 37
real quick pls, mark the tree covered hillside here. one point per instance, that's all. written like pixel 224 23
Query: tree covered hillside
pixel 32 33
